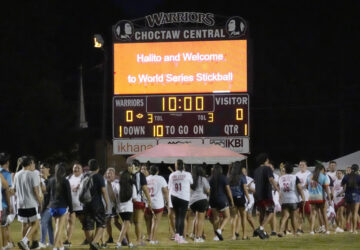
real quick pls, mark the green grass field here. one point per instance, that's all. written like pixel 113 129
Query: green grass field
pixel 305 241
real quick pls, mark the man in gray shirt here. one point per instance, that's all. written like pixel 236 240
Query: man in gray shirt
pixel 27 190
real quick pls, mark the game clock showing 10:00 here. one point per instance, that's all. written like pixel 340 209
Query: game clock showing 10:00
pixel 187 116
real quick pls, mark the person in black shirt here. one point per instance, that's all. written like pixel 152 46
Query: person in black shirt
pixel 60 200
pixel 264 180
pixel 220 195
pixel 94 211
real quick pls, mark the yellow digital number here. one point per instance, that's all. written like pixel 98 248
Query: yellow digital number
pixel 199 102
pixel 158 130
pixel 150 118
pixel 129 115
pixel 120 131
pixel 163 104
pixel 187 103
pixel 246 129
pixel 172 103
pixel 239 114
pixel 211 117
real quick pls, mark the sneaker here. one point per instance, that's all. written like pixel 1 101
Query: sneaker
pixel 199 240
pixel 339 230
pixel 216 238
pixel 110 240
pixel 94 246
pixel 142 244
pixel 261 234
pixel 67 243
pixel 218 234
pixel 177 237
pixel 35 245
pixel 9 246
pixel 192 236
pixel 299 231
pixel 22 245
pixel 255 233
pixel 322 229
pixel 273 233
pixel 182 240
pixel 327 232
pixel 103 245
pixel 124 242
pixel 118 245
pixel 131 245
pixel 154 242
pixel 312 233
pixel 41 245
pixel 84 243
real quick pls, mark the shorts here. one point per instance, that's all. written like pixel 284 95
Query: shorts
pixel 352 198
pixel 267 205
pixel 93 216
pixel 239 201
pixel 27 215
pixel 290 206
pixel 317 202
pixel 341 203
pixel 219 205
pixel 156 211
pixel 57 212
pixel 199 206
pixel 307 208
pixel 4 215
pixel 250 204
pixel 139 205
pixel 126 216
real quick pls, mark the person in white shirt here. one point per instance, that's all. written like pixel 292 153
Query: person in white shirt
pixel 305 209
pixel 250 203
pixel 331 171
pixel 339 202
pixel 158 192
pixel 127 196
pixel 27 188
pixel 290 189
pixel 112 186
pixel 74 180
pixel 179 187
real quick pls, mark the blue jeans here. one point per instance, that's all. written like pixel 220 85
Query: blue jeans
pixel 46 227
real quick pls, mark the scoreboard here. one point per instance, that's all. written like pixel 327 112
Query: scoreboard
pixel 180 77
pixel 181 116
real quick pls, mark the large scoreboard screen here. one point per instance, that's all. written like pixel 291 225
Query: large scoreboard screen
pixel 181 116
pixel 180 77
pixel 180 67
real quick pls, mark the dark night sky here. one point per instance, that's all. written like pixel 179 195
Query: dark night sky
pixel 305 99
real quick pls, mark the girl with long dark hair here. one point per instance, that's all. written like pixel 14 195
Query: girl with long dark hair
pixel 60 202
pixel 200 189
pixel 238 186
pixel 126 196
pixel 220 194
pixel 351 183
pixel 318 185
pixel 158 190
pixel 179 187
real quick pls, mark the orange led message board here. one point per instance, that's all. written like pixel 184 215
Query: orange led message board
pixel 180 67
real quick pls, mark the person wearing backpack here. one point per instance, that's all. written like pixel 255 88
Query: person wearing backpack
pixel 127 195
pixel 94 210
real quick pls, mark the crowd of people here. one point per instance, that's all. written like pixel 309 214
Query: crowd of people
pixel 139 196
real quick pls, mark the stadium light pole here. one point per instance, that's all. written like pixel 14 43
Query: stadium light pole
pixel 99 43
